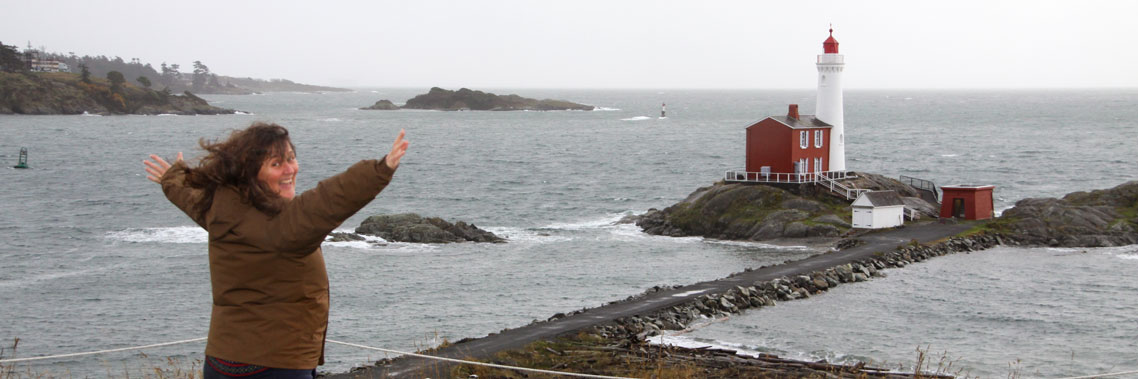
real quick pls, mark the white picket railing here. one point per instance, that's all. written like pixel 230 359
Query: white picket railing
pixel 827 179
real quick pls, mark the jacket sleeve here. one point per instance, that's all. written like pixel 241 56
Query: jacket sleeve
pixel 307 219
pixel 173 185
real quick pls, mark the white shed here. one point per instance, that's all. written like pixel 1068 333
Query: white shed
pixel 878 209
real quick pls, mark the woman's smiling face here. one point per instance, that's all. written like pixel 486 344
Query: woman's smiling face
pixel 278 174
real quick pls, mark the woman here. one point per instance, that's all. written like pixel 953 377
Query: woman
pixel 270 287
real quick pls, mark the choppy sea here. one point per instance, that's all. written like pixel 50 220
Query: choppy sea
pixel 93 257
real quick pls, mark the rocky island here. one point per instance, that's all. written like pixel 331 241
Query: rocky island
pixel 410 227
pixel 737 211
pixel 467 99
pixel 67 93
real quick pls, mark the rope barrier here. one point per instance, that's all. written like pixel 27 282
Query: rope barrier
pixel 1103 375
pixel 100 351
pixel 478 363
pixel 14 360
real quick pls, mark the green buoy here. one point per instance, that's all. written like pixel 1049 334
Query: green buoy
pixel 23 158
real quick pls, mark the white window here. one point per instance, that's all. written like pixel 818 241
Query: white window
pixel 803 139
pixel 818 164
pixel 818 138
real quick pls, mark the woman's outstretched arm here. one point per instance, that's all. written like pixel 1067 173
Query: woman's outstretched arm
pixel 308 218
pixel 183 197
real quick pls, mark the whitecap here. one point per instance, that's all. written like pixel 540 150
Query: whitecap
pixel 176 234
pixel 243 113
pixel 331 119
pixel 166 114
pixel 602 222
pixel 950 155
pixel 514 235
pixel 637 118
pixel 605 109
pixel 369 242
pixel 93 115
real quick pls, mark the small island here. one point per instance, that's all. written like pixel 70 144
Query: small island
pixel 66 93
pixel 467 99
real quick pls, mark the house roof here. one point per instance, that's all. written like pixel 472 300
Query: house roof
pixel 803 122
pixel 879 199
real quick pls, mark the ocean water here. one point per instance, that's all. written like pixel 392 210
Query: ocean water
pixel 93 257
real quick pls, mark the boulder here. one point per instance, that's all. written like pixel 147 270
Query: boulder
pixel 410 227
pixel 344 237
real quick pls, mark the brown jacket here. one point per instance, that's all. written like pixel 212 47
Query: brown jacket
pixel 270 288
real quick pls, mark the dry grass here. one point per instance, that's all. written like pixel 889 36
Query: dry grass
pixel 145 367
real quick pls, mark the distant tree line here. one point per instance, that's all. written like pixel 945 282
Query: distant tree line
pixel 167 76
pixel 10 59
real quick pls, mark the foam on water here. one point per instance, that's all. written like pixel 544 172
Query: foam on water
pixel 605 109
pixel 176 234
pixel 524 235
pixel 597 223
pixel 637 118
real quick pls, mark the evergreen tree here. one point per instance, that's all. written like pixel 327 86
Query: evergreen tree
pixel 201 75
pixel 84 73
pixel 10 59
pixel 144 81
pixel 116 80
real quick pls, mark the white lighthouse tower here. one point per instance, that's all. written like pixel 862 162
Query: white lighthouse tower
pixel 829 105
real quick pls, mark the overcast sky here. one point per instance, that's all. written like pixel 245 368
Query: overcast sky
pixel 604 44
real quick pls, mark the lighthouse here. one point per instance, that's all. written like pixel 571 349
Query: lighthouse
pixel 829 104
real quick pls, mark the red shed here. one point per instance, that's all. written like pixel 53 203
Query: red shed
pixel 966 201
pixel 790 144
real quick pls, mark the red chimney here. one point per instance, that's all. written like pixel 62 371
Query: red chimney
pixel 793 112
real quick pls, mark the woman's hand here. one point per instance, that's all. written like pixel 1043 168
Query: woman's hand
pixel 158 167
pixel 396 154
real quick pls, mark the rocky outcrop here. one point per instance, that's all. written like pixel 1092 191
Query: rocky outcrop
pixel 1080 219
pixel 64 93
pixel 761 212
pixel 410 227
pixel 747 212
pixel 466 99
pixel 382 105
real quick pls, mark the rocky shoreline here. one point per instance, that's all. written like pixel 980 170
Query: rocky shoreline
pixel 1098 218
pixel 65 93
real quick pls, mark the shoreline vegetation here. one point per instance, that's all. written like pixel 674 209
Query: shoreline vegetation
pixel 59 93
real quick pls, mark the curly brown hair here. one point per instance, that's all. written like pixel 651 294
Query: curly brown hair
pixel 236 162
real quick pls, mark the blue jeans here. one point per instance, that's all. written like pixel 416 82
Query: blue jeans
pixel 215 368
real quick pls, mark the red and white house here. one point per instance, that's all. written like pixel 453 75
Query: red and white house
pixel 791 144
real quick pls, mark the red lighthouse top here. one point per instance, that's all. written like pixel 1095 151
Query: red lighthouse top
pixel 831 44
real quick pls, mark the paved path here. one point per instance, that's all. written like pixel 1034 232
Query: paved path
pixel 485 347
